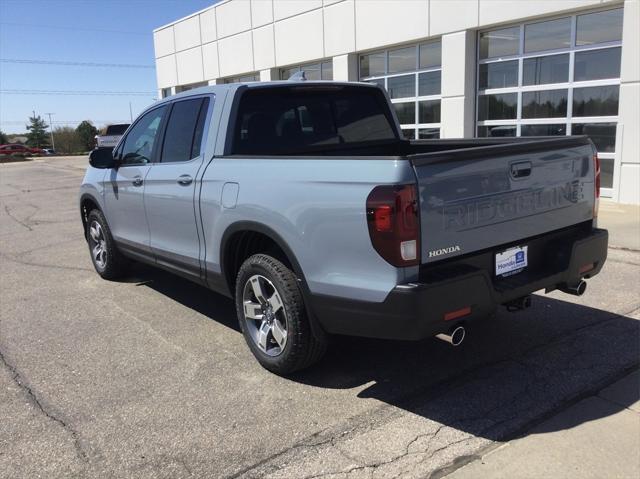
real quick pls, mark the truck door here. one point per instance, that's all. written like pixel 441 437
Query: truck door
pixel 124 186
pixel 171 185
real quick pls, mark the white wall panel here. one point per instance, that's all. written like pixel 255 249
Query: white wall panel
pixel 447 16
pixel 189 65
pixel 497 11
pixel 385 22
pixel 263 49
pixel 208 26
pixel 187 33
pixel 210 61
pixel 236 54
pixel 330 2
pixel 629 114
pixel 166 71
pixel 630 67
pixel 339 28
pixel 299 38
pixel 345 67
pixel 630 184
pixel 288 8
pixel 163 42
pixel 454 66
pixel 261 12
pixel 233 17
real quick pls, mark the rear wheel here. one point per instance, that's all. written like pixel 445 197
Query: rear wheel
pixel 273 318
pixel 107 260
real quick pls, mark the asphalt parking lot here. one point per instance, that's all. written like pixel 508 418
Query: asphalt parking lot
pixel 150 377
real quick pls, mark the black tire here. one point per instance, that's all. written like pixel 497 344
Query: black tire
pixel 115 264
pixel 302 348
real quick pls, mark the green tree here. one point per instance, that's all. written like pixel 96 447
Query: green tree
pixel 86 134
pixel 37 132
pixel 3 138
pixel 67 140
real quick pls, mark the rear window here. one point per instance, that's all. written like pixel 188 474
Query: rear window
pixel 281 121
pixel 116 129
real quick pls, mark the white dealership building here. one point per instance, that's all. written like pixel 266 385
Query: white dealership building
pixel 453 68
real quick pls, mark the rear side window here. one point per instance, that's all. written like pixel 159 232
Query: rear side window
pixel 184 132
pixel 290 120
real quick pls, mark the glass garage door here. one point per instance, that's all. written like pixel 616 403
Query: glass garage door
pixel 412 76
pixel 553 77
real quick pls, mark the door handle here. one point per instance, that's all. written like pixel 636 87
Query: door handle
pixel 185 180
pixel 137 181
pixel 521 170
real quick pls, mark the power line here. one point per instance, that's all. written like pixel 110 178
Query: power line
pixel 80 29
pixel 76 92
pixel 62 122
pixel 75 64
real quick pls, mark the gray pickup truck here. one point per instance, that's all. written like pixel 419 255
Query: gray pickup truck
pixel 302 201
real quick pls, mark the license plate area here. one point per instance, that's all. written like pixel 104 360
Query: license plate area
pixel 511 261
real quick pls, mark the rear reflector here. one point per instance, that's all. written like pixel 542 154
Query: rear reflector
pixel 585 268
pixel 458 313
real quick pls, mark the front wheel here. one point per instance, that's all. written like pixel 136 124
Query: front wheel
pixel 273 318
pixel 107 260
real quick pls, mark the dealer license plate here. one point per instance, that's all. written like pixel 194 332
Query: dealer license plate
pixel 511 261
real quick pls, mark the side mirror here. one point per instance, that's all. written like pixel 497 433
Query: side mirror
pixel 102 158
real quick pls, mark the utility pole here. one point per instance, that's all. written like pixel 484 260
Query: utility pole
pixel 53 144
pixel 130 113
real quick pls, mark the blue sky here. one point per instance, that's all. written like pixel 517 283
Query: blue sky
pixel 100 31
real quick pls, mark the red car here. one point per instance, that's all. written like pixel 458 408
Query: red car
pixel 19 149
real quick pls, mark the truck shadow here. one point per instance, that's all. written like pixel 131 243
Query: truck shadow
pixel 510 372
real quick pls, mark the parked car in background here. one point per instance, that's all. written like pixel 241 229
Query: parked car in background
pixel 14 149
pixel 19 149
pixel 111 136
pixel 49 151
pixel 303 202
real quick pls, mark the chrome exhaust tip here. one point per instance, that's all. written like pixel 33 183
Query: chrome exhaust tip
pixel 577 289
pixel 455 337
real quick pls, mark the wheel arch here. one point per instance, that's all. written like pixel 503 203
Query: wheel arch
pixel 237 229
pixel 234 232
pixel 88 202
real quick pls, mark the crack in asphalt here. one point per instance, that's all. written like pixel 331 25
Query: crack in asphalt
pixel 19 380
pixel 17 220
pixel 42 265
pixel 540 375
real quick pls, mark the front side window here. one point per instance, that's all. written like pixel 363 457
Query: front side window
pixel 139 144
pixel 183 136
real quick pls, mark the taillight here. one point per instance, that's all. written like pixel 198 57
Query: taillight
pixel 596 168
pixel 392 216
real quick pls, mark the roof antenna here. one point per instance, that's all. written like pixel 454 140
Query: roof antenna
pixel 298 76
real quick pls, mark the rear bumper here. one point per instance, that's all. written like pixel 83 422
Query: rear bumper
pixel 416 310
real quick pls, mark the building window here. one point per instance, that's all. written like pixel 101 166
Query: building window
pixel 181 88
pixel 166 92
pixel 412 77
pixel 243 79
pixel 553 77
pixel 312 71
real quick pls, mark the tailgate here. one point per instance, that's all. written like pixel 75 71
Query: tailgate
pixel 479 198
